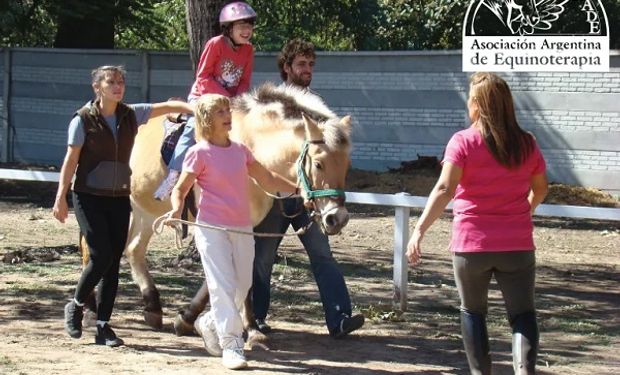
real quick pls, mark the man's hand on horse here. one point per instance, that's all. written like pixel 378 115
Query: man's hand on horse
pixel 303 195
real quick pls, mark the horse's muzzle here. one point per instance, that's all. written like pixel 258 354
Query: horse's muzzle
pixel 334 220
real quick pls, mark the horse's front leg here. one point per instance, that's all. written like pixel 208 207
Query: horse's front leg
pixel 140 232
pixel 184 323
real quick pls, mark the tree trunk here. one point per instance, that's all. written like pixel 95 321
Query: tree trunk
pixel 86 29
pixel 202 25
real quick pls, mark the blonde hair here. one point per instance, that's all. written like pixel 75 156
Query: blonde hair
pixel 98 74
pixel 508 143
pixel 204 110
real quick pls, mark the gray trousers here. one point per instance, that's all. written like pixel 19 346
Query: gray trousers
pixel 514 272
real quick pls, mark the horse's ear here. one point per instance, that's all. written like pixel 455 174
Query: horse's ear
pixel 313 133
pixel 345 122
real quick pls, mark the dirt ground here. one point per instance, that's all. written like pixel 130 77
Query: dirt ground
pixel 577 298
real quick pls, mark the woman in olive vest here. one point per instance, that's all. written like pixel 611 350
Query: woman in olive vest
pixel 101 136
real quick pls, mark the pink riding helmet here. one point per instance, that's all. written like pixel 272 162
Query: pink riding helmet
pixel 235 12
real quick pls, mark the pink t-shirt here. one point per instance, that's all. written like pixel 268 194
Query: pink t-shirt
pixel 223 70
pixel 222 174
pixel 491 211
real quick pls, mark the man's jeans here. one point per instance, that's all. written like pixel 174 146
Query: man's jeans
pixel 329 279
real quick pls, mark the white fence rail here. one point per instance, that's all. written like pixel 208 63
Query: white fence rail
pixel 402 202
pixel 19 174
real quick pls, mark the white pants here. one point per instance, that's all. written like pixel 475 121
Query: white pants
pixel 227 259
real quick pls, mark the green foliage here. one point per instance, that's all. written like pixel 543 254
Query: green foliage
pixel 361 24
pixel 158 26
pixel 25 23
pixel 382 312
pixel 140 24
pixel 421 24
pixel 317 21
pixel 337 25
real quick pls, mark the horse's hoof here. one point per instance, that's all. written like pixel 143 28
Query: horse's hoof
pixel 181 327
pixel 257 340
pixel 89 319
pixel 154 319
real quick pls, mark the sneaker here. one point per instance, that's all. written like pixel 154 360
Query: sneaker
pixel 234 359
pixel 348 324
pixel 262 326
pixel 73 319
pixel 205 329
pixel 165 189
pixel 106 336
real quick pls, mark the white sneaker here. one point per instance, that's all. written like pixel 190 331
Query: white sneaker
pixel 234 359
pixel 165 189
pixel 206 330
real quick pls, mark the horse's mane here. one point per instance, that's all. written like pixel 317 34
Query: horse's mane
pixel 287 103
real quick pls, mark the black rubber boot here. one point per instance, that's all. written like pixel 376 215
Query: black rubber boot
pixel 524 343
pixel 106 336
pixel 476 342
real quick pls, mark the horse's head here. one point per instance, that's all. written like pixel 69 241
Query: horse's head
pixel 526 16
pixel 522 17
pixel 292 132
pixel 322 168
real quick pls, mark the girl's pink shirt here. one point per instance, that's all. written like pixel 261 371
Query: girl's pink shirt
pixel 223 70
pixel 491 210
pixel 222 174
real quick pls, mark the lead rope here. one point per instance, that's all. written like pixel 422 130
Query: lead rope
pixel 158 227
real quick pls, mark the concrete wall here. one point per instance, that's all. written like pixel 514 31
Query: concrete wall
pixel 403 104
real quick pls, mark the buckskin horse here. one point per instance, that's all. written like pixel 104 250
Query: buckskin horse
pixel 290 131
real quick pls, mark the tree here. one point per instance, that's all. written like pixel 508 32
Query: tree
pixel 202 24
pixel 423 24
pixel 96 23
pixel 168 31
pixel 84 24
pixel 25 23
pixel 78 23
pixel 335 25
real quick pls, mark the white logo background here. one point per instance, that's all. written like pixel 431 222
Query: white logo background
pixel 522 35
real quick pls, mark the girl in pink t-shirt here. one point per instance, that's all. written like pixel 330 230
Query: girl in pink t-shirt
pixel 221 168
pixel 225 68
pixel 496 174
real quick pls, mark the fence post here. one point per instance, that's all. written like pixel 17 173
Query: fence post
pixel 5 126
pixel 401 237
pixel 145 88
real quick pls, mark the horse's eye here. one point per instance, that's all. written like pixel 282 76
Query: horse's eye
pixel 318 165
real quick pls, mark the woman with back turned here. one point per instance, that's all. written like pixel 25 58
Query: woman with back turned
pixel 495 173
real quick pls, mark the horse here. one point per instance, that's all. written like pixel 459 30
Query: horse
pixel 523 17
pixel 290 131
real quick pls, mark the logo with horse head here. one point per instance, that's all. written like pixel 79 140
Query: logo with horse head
pixel 522 17
pixel 535 35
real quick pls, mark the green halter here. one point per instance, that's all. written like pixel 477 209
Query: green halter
pixel 301 176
